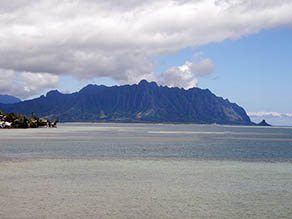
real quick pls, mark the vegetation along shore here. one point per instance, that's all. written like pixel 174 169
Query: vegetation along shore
pixel 13 120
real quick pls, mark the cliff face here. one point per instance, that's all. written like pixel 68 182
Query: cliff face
pixel 145 102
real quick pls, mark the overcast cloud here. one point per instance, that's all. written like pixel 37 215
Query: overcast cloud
pixel 25 84
pixel 120 39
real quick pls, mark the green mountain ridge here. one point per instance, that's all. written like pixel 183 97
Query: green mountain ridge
pixel 143 102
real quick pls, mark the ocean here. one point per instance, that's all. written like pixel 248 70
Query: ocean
pixel 89 170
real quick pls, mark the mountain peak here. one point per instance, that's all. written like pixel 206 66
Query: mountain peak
pixel 53 93
pixel 91 88
pixel 143 82
pixel 146 83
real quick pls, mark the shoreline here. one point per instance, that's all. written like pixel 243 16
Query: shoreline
pixel 162 123
pixel 4 159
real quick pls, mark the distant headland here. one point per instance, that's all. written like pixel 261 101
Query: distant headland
pixel 143 102
pixel 7 99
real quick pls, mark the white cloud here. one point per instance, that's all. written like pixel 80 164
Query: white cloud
pixel 25 84
pixel 35 82
pixel 264 114
pixel 202 66
pixel 186 75
pixel 120 39
pixel 180 76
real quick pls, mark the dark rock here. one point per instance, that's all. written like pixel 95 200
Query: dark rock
pixel 263 123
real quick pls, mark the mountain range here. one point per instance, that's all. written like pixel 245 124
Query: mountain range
pixel 143 102
pixel 7 99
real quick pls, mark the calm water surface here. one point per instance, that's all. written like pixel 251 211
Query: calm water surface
pixel 149 141
pixel 146 171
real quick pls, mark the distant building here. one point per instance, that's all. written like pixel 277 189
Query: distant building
pixel 5 124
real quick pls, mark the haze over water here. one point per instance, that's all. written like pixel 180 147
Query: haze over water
pixel 146 171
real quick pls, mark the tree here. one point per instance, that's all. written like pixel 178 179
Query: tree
pixel 32 116
pixel 10 117
pixel 55 123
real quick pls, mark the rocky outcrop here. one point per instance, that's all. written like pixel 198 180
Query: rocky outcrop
pixel 263 123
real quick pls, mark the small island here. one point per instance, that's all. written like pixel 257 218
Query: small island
pixel 13 120
pixel 263 123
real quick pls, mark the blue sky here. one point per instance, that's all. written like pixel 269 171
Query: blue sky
pixel 254 71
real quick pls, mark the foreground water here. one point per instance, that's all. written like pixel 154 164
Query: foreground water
pixel 146 171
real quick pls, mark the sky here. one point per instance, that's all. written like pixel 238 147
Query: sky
pixel 239 49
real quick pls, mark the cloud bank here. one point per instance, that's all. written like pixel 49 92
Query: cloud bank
pixel 25 84
pixel 109 38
